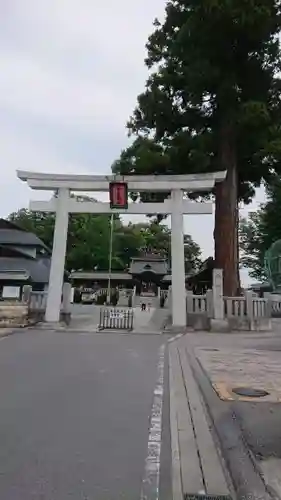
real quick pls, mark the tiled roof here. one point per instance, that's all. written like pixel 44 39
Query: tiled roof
pixel 18 237
pixel 38 270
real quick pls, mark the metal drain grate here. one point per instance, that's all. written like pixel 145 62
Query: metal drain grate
pixel 250 392
pixel 206 497
pixel 211 350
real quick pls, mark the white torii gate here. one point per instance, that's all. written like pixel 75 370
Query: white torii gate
pixel 176 205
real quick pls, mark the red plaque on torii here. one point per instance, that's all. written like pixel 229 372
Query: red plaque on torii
pixel 118 194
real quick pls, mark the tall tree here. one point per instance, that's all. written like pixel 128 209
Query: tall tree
pixel 212 103
pixel 260 230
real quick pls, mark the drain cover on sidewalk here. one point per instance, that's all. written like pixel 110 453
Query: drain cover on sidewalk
pixel 210 350
pixel 250 392
pixel 207 497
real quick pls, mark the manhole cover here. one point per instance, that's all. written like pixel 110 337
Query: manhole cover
pixel 206 497
pixel 211 350
pixel 250 392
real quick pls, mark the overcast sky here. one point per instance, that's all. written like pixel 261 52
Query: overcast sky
pixel 70 74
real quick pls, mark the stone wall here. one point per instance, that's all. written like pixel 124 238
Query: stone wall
pixel 13 314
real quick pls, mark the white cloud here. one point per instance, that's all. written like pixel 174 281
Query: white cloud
pixel 70 74
pixel 70 71
pixel 76 61
pixel 21 152
pixel 46 94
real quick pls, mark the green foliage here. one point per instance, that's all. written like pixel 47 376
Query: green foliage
pixel 252 245
pixel 211 103
pixel 260 230
pixel 42 224
pixel 272 261
pixel 212 63
pixel 157 237
pixel 89 239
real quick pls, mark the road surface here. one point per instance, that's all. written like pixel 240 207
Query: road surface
pixel 75 416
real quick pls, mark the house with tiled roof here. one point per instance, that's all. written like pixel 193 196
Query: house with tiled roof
pixel 24 260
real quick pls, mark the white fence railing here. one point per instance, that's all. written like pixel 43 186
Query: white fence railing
pixel 101 291
pixel 260 308
pixel 275 301
pixel 37 301
pixel 196 304
pixel 216 312
pixel 234 307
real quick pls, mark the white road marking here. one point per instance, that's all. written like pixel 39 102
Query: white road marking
pixel 150 484
pixel 175 338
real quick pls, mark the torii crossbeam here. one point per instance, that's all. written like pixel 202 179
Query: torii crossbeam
pixel 176 205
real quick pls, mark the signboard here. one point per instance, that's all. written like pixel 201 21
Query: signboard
pixel 11 292
pixel 118 192
pixel 116 315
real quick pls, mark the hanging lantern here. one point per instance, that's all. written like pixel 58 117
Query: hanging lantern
pixel 118 193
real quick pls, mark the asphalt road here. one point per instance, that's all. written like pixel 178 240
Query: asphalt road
pixel 74 416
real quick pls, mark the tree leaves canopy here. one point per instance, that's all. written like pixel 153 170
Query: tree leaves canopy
pixel 211 103
pixel 89 239
pixel 260 230
pixel 210 61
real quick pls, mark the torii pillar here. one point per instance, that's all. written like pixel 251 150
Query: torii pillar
pixel 63 204
pixel 178 264
pixel 52 313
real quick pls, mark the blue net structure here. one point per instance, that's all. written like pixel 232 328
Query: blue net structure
pixel 272 265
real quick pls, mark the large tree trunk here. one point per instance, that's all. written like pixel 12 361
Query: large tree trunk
pixel 226 215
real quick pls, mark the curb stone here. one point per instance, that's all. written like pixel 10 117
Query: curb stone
pixel 197 467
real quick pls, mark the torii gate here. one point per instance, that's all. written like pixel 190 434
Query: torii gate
pixel 176 205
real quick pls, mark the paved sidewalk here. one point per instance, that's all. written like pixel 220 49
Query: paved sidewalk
pixel 197 467
pixel 229 368
pixel 248 427
pixel 142 319
pixel 259 417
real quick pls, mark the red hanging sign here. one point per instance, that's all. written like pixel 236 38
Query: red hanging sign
pixel 118 192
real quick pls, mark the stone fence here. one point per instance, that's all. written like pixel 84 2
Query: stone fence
pixel 31 309
pixel 37 301
pixel 238 313
pixel 275 301
pixel 216 312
